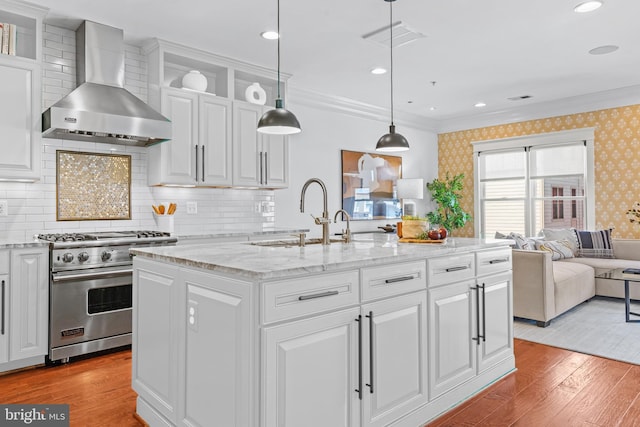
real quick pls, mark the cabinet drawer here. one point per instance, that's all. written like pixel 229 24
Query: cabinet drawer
pixel 287 299
pixel 395 279
pixel 450 269
pixel 493 261
pixel 4 262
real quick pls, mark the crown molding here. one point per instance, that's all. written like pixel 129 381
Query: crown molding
pixel 577 104
pixel 297 95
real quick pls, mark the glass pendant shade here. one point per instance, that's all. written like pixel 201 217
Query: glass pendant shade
pixel 392 141
pixel 279 121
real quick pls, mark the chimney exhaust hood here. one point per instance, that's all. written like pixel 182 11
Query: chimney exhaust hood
pixel 100 109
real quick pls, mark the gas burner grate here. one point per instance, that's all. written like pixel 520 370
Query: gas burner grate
pixel 65 237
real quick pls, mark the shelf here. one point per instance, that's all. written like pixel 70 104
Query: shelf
pixel 28 22
pixel 176 66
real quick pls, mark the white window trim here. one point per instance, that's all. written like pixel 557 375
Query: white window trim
pixel 561 137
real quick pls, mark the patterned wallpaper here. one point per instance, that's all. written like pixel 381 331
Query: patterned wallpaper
pixel 617 160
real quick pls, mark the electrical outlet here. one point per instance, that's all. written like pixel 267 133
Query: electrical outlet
pixel 192 208
pixel 257 207
pixel 4 208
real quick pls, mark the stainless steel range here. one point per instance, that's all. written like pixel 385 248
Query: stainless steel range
pixel 90 289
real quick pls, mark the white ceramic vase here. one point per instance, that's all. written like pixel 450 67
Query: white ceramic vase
pixel 255 94
pixel 194 80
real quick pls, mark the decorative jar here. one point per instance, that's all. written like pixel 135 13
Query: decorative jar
pixel 194 80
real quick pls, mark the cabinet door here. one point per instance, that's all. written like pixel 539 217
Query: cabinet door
pixel 218 373
pixel 275 152
pixel 395 358
pixel 19 123
pixel 4 320
pixel 174 161
pixel 158 302
pixel 496 321
pixel 310 372
pixel 215 140
pixel 452 327
pixel 246 145
pixel 29 318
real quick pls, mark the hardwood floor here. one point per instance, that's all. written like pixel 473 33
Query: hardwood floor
pixel 552 387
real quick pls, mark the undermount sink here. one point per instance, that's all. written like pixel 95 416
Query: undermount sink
pixel 292 242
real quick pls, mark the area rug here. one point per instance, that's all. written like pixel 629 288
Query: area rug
pixel 596 327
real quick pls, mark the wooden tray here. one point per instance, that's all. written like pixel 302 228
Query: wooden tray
pixel 409 240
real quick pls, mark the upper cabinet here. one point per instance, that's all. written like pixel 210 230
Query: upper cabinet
pixel 20 77
pixel 215 142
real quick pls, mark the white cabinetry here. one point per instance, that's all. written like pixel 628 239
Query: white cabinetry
pixel 260 160
pixel 311 372
pixel 470 318
pixel 20 74
pixel 215 142
pixel 25 308
pixel 200 150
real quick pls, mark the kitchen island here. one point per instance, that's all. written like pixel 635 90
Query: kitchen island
pixel 369 333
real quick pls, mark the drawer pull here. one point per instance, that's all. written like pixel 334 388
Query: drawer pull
pixel 460 268
pixel 498 261
pixel 399 279
pixel 2 328
pixel 318 295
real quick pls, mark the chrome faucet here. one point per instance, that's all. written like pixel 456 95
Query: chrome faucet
pixel 346 234
pixel 324 220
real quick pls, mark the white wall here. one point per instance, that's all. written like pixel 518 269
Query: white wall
pixel 315 153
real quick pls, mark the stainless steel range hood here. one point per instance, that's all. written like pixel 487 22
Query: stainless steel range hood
pixel 100 109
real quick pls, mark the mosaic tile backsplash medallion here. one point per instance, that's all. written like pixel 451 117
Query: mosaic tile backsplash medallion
pixel 93 186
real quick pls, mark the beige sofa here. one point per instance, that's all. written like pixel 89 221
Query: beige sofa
pixel 544 289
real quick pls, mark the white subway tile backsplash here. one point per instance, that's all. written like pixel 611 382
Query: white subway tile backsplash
pixel 32 207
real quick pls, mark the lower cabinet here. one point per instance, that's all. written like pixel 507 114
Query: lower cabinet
pixel 369 361
pixel 470 329
pixel 24 297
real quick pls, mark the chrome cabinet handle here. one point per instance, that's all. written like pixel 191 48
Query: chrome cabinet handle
pixel 398 279
pixel 462 267
pixel 477 338
pixel 359 389
pixel 260 170
pixel 498 261
pixel 266 169
pixel 203 162
pixel 318 295
pixel 3 301
pixel 196 165
pixel 370 385
pixel 484 314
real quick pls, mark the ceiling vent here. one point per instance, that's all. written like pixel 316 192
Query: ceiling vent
pixel 520 98
pixel 402 35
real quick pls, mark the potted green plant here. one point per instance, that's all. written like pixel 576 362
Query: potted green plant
pixel 446 194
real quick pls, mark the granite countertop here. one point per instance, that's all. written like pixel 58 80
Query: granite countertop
pixel 256 262
pixel 247 233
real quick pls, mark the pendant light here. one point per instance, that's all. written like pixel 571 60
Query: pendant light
pixel 279 121
pixel 392 141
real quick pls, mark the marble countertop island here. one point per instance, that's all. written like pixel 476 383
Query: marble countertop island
pixel 260 262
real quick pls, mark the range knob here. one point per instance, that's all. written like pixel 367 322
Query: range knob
pixel 106 256
pixel 83 256
pixel 67 257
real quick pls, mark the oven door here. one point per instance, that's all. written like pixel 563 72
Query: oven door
pixel 87 305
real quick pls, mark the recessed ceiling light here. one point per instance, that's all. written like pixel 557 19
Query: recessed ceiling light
pixel 603 50
pixel 480 104
pixel 588 6
pixel 269 35
pixel 432 108
pixel 378 70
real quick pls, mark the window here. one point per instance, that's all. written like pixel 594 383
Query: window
pixel 524 184
pixel 558 205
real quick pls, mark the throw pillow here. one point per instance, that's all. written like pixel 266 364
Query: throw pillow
pixel 499 235
pixel 522 242
pixel 567 234
pixel 595 244
pixel 560 249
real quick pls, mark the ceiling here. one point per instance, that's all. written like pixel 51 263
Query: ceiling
pixel 474 51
